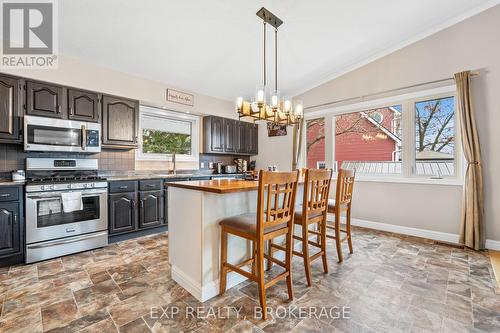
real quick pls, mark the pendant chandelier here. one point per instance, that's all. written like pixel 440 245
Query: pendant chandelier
pixel 280 110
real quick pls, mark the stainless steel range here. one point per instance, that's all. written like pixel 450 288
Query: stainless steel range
pixel 66 207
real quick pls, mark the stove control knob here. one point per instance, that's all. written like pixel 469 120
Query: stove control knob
pixel 69 186
pixel 85 185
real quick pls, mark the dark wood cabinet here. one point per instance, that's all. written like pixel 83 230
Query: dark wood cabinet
pixel 151 209
pixel 122 212
pixel 10 109
pixel 44 99
pixel 213 134
pixel 10 233
pixel 242 132
pixel 83 105
pixel 229 136
pixel 252 139
pixel 119 122
pixel 11 225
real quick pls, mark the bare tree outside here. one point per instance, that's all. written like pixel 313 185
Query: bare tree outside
pixel 434 121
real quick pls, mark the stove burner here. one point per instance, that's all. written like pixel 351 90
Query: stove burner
pixel 56 177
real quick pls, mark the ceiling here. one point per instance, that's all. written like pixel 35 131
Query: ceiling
pixel 214 47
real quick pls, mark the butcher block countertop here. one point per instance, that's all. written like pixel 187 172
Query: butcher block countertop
pixel 218 185
pixel 221 186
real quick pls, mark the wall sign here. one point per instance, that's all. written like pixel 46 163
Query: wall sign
pixel 180 97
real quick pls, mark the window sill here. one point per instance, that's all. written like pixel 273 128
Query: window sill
pixel 401 180
pixel 168 158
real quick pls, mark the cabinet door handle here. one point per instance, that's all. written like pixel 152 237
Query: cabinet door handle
pixel 150 185
pixel 58 109
pixel 142 204
pixel 123 187
pixel 15 218
pixel 70 110
pixel 4 195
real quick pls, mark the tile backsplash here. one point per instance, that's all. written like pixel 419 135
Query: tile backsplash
pixel 12 157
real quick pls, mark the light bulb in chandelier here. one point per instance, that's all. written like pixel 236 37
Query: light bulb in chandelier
pixel 287 105
pixel 275 99
pixel 260 94
pixel 239 104
pixel 299 109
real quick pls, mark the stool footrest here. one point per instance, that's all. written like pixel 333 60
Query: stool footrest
pixel 274 260
pixel 276 279
pixel 240 271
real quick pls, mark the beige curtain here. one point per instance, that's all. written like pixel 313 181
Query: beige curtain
pixel 472 201
pixel 297 143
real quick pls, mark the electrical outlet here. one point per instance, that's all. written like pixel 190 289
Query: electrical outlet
pixel 202 165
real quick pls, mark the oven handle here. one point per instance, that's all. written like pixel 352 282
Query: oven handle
pixel 84 138
pixel 67 241
pixel 51 196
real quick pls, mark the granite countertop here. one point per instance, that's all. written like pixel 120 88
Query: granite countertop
pixel 8 182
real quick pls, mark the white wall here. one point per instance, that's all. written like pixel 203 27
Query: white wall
pixel 471 44
pixel 80 74
pixel 276 150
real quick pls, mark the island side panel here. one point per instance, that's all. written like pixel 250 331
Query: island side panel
pixel 217 207
pixel 185 217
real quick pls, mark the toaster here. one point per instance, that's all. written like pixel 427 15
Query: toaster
pixel 230 169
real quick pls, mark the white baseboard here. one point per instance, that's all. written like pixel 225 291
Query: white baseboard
pixel 492 244
pixel 208 291
pixel 211 289
pixel 424 233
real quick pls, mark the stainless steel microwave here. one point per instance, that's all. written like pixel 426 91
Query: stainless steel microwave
pixel 48 134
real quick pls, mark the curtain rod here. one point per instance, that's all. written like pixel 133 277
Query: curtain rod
pixel 362 97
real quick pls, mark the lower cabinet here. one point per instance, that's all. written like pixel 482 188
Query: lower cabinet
pixel 11 226
pixel 122 212
pixel 133 211
pixel 152 212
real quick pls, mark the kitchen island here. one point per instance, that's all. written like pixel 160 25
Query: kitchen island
pixel 195 209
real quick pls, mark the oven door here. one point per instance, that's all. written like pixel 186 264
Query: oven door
pixel 47 134
pixel 46 220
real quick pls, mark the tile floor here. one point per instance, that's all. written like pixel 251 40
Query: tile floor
pixel 391 283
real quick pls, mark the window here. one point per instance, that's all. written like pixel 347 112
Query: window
pixel 435 137
pixel 164 133
pixel 315 142
pixel 408 136
pixel 370 141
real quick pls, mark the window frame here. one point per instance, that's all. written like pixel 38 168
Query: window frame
pixel 408 168
pixel 161 113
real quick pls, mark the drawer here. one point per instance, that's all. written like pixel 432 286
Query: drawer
pixel 150 185
pixel 122 186
pixel 9 193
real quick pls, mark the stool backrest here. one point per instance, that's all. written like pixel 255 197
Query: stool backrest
pixel 276 199
pixel 345 184
pixel 316 190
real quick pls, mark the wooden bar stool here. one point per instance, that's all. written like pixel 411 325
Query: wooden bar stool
pixel 342 202
pixel 274 218
pixel 313 212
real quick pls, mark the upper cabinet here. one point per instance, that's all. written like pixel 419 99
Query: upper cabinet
pixel 252 138
pixel 50 100
pixel 10 109
pixel 229 136
pixel 120 118
pixel 44 99
pixel 83 105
